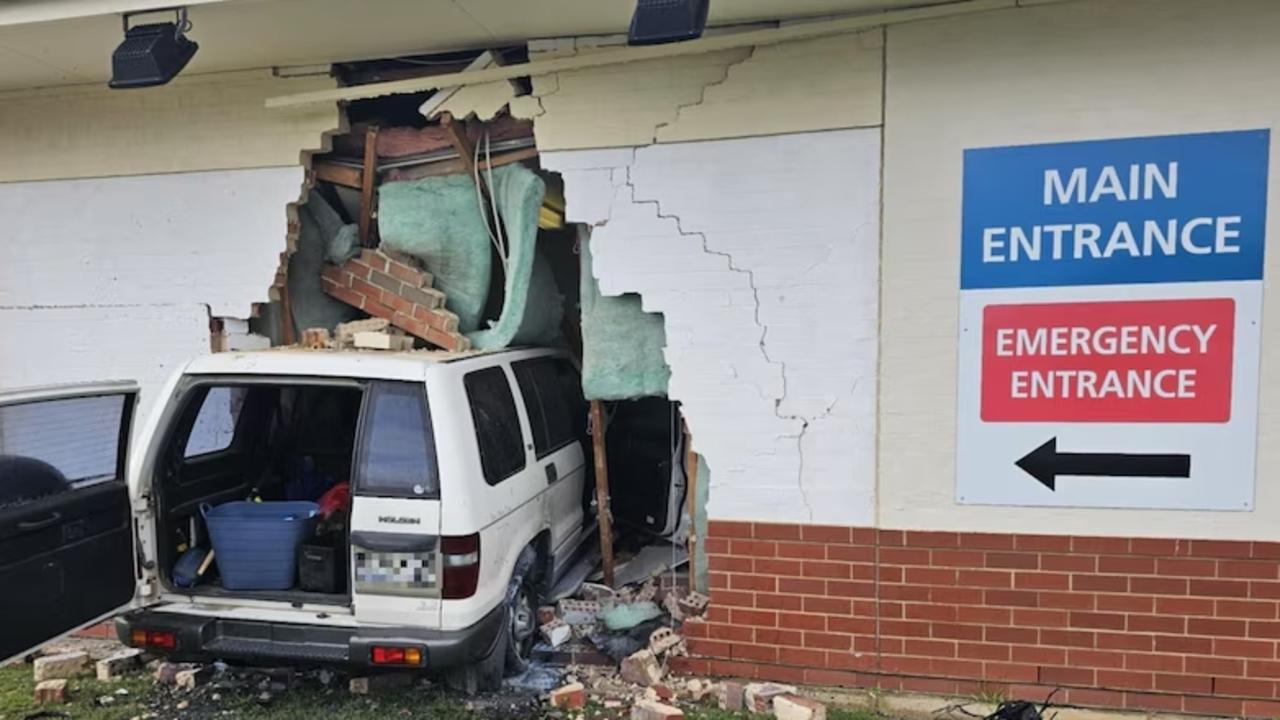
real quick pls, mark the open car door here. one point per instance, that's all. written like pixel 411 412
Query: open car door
pixel 66 530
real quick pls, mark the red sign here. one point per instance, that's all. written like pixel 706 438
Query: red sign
pixel 1125 361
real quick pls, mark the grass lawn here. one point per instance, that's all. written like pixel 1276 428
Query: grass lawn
pixel 304 701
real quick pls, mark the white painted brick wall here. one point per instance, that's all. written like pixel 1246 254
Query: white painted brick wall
pixel 761 253
pixel 115 278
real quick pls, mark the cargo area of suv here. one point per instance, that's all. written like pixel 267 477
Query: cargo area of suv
pixel 257 440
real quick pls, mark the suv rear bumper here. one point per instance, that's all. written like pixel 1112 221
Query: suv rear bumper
pixel 202 638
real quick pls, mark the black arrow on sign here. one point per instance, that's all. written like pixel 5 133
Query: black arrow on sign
pixel 1045 464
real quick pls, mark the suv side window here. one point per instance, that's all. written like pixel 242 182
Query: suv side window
pixel 52 446
pixel 493 410
pixel 397 450
pixel 215 425
pixel 551 413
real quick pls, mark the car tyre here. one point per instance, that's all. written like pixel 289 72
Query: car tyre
pixel 522 613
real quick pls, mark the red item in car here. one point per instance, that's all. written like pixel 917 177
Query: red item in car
pixel 336 498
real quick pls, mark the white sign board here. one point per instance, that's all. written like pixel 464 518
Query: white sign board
pixel 1110 311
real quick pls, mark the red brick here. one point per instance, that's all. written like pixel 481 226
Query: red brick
pixel 1220 667
pixel 757 653
pixel 778 673
pixel 983 651
pixel 1224 707
pixel 1184 606
pixel 905 593
pixel 918 611
pixel 955 668
pixel 929 648
pixel 951 595
pixel 731 598
pixel 1097 621
pixel 776 601
pixel 1251 609
pixel 851 589
pixel 1262 589
pixel 1157 623
pixel 754 548
pixel 1043 543
pixel 1069 563
pixel 1126 603
pixel 983 615
pixel 831 678
pixel 1011 635
pixel 1040 618
pixel 1255 570
pixel 777 531
pixel 1158 585
pixel 932 539
pixel 1261 709
pixel 958 558
pixel 904 628
pixel 774 566
pixel 1244 687
pixel 1041 581
pixel 828 641
pixel 825 533
pixel 1262 669
pixel 802 622
pixel 904 556
pixel 1154 663
pixel 1221 548
pixel 1066 676
pixel 821 569
pixel 1183 644
pixel 1092 697
pixel 930 576
pixel 802 586
pixel 1100 545
pixel 828 605
pixel 851 553
pixel 1100 583
pixel 1219 628
pixel 1125 680
pixel 727 668
pixel 779 636
pixel 1153 546
pixel 1038 655
pixel 1152 701
pixel 1259 629
pixel 400 271
pixel 1068 638
pixel 1082 657
pixel 1125 641
pixel 717 546
pixel 857 660
pixel 762 583
pixel 957 632
pixel 1127 565
pixel 985 578
pixel 1014 560
pixel 1184 683
pixel 1266 550
pixel 1230 647
pixel 730 563
pixel 890 538
pixel 732 633
pixel 889 573
pixel 801 550
pixel 853 626
pixel 1010 672
pixel 1068 600
pixel 986 541
pixel 759 618
pixel 1018 598
pixel 1186 567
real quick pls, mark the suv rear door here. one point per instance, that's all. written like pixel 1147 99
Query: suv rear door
pixel 66 530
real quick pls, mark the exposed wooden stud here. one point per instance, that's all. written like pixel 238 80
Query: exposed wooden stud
pixel 368 179
pixel 604 515
pixel 339 175
pixel 691 493
pixel 456 165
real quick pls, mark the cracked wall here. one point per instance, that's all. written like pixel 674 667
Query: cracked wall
pixel 821 84
pixel 761 253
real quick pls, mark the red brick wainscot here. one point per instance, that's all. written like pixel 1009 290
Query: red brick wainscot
pixel 1149 624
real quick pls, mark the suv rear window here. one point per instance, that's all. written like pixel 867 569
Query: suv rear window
pixel 397 448
pixel 546 384
pixel 493 409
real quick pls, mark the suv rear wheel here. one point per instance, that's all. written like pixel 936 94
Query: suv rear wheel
pixel 513 646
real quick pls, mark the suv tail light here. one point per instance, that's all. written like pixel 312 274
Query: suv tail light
pixel 460 566
pixel 153 639
pixel 394 655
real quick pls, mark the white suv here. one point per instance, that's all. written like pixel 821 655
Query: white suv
pixel 467 501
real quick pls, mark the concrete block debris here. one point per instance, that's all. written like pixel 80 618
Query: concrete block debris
pixel 758 697
pixel 60 666
pixel 51 692
pixel 557 632
pixel 694 604
pixel 663 639
pixel 730 695
pixel 654 710
pixel 192 678
pixel 116 665
pixel 641 668
pixel 579 612
pixel 794 707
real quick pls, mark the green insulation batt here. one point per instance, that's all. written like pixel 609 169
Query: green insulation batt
pixel 438 221
pixel 532 307
pixel 322 236
pixel 621 343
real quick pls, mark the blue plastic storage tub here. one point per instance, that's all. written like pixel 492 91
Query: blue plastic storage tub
pixel 256 544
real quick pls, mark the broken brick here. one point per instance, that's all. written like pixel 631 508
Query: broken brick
pixel 654 710
pixel 60 666
pixel 192 678
pixel 569 697
pixel 51 692
pixel 663 691
pixel 316 338
pixel 729 695
pixel 641 668
pixel 557 632
pixel 758 697
pixel 794 707
pixel 579 612
pixel 113 666
pixel 546 614
pixel 694 604
pixel 663 639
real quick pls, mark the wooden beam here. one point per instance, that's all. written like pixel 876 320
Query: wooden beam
pixel 456 165
pixel 343 175
pixel 691 493
pixel 368 178
pixel 604 515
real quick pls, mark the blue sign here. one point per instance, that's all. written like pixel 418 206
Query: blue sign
pixel 1177 208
